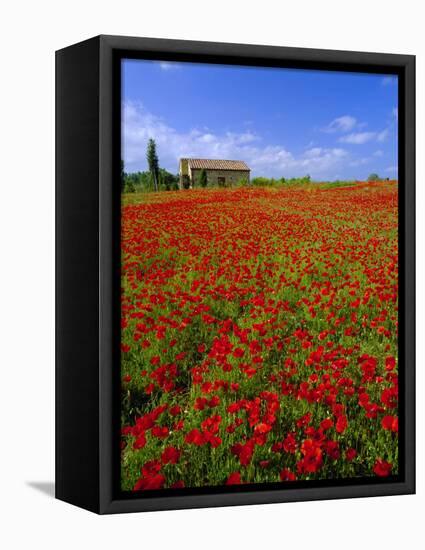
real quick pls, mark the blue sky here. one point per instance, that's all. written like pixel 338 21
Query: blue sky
pixel 282 122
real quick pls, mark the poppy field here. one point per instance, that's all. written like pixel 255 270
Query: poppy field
pixel 259 335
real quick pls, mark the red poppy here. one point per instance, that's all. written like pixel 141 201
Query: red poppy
pixel 290 443
pixel 140 441
pixel 332 449
pixel 350 454
pixel 170 455
pixel 214 401
pixel 196 437
pixel 150 468
pixel 234 479
pixel 287 475
pixel 244 452
pixel 341 424
pixel 160 431
pixel 390 423
pixel 382 468
pixel 389 363
pixel 304 420
pixel 262 428
pixel 150 483
pixel 175 410
pixel 326 424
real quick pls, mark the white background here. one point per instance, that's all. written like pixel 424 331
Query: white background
pixel 30 32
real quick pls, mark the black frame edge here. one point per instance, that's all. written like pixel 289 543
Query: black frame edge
pixel 252 52
pixel 409 269
pixel 77 284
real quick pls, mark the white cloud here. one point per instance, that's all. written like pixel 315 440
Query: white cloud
pixel 168 66
pixel 378 153
pixel 395 113
pixel 341 124
pixel 269 160
pixel 382 136
pixel 359 138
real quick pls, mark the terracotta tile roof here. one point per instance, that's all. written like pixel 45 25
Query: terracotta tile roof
pixel 215 164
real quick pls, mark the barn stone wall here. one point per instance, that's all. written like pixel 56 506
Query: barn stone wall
pixel 232 177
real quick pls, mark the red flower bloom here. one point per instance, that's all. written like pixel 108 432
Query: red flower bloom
pixel 211 424
pixel 382 468
pixel 238 352
pixel 262 428
pixel 149 388
pixel 390 423
pixel 234 479
pixel 140 441
pixel 389 363
pixel 312 460
pixel 350 454
pixel 290 443
pixel 160 431
pixel 244 452
pixel 175 410
pixel 214 401
pixel 150 468
pixel 287 475
pixel 196 437
pixel 389 397
pixel 332 449
pixel 150 483
pixel 341 424
pixel 304 420
pixel 170 455
pixel 326 424
pixel 200 403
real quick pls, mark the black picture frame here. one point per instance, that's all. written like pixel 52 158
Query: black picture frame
pixel 87 270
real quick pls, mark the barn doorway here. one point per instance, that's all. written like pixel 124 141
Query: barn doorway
pixel 221 180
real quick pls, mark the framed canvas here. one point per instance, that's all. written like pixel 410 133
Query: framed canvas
pixel 235 302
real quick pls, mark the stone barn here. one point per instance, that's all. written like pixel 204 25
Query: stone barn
pixel 220 173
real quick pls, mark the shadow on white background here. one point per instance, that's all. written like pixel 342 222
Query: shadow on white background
pixel 46 487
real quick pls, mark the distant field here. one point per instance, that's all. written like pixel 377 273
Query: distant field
pixel 259 335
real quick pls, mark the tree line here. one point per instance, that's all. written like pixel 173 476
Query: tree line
pixel 159 179
pixel 153 179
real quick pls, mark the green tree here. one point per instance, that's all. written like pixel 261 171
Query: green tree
pixel 168 181
pixel 153 163
pixel 203 180
pixel 130 187
pixel 373 177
